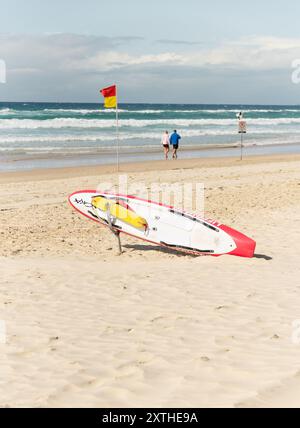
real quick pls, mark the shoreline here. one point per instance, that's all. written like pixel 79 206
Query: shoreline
pixel 55 173
pixel 15 165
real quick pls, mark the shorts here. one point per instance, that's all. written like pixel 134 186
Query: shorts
pixel 166 146
pixel 175 146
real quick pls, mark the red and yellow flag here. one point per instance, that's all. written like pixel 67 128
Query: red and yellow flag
pixel 110 96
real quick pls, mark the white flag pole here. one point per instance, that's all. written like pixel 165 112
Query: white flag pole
pixel 117 130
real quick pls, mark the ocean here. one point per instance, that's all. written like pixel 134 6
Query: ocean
pixel 57 134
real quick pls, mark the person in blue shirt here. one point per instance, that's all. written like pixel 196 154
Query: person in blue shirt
pixel 174 140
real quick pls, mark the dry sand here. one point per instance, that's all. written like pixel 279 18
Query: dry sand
pixel 86 327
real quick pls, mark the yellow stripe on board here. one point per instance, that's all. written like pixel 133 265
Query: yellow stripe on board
pixel 110 102
pixel 120 212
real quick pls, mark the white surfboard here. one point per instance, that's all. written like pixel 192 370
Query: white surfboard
pixel 161 224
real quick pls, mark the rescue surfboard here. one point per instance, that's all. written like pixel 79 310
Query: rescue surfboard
pixel 162 224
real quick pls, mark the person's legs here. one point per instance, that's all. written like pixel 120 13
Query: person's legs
pixel 175 148
pixel 166 149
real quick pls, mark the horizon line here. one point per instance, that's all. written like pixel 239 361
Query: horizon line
pixel 149 103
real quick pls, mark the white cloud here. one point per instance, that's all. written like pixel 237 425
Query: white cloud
pixel 260 53
pixel 269 43
pixel 80 52
pixel 253 53
pixel 57 64
pixel 111 60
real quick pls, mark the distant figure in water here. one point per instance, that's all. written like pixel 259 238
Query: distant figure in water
pixel 166 144
pixel 174 140
pixel 240 115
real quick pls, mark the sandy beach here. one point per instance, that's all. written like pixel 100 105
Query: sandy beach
pixel 152 327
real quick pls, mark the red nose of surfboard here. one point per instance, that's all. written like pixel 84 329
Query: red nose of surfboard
pixel 245 247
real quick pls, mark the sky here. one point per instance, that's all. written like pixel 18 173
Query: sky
pixel 158 51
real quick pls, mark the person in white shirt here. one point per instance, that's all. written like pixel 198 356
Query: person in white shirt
pixel 166 144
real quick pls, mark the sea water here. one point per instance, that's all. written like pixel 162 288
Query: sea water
pixel 54 134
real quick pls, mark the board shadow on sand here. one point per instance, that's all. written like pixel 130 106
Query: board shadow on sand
pixel 158 248
pixel 166 250
pixel 262 256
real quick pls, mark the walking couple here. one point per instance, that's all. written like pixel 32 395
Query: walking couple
pixel 173 140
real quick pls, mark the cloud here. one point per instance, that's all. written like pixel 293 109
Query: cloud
pixel 110 60
pixel 71 53
pixel 177 42
pixel 253 53
pixel 70 66
pixel 125 39
pixel 268 43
